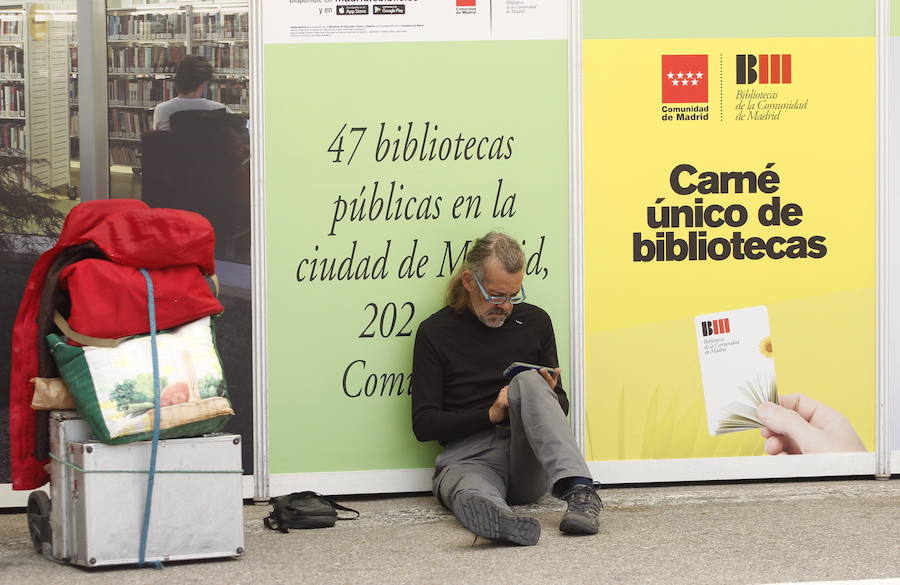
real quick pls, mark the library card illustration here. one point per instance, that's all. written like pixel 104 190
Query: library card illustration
pixel 737 367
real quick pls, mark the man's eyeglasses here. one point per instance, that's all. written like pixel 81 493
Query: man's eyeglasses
pixel 515 300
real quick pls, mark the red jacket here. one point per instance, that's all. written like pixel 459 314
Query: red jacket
pixel 128 232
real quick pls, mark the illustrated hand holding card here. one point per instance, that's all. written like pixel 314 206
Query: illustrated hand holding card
pixel 737 367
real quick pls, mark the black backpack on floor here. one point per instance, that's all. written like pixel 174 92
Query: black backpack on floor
pixel 304 510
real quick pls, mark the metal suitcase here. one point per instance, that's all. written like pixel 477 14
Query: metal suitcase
pixel 98 500
pixel 65 427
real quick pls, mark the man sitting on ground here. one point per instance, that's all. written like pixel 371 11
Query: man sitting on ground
pixel 506 442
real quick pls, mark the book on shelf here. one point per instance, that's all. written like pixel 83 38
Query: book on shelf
pixel 226 57
pixel 129 124
pixel 12 63
pixel 230 92
pixel 221 25
pixel 143 92
pixel 12 100
pixel 11 29
pixel 146 26
pixel 12 138
pixel 144 58
pixel 146 93
pixel 124 155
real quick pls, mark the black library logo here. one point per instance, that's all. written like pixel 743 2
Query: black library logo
pixel 764 69
pixel 715 327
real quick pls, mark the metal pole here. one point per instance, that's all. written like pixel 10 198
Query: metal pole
pixel 260 356
pixel 576 225
pixel 884 280
pixel 92 101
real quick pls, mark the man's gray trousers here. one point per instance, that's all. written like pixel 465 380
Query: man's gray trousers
pixel 513 464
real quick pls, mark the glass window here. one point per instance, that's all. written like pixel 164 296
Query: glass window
pixel 202 166
pixel 186 145
pixel 38 152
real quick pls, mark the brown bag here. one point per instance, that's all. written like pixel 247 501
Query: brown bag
pixel 51 394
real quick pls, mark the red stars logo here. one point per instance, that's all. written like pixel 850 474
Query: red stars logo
pixel 684 79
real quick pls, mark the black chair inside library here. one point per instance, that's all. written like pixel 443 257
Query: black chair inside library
pixel 202 165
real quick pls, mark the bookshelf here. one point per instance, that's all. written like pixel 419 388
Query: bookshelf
pixel 144 46
pixel 34 116
pixel 73 90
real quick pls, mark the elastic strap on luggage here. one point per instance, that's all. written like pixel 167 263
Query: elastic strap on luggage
pixel 154 445
pixel 215 284
pixel 67 330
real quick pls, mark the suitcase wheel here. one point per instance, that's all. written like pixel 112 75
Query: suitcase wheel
pixel 39 520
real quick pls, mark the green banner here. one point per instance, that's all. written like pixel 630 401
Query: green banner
pixel 704 19
pixel 382 161
pixel 895 18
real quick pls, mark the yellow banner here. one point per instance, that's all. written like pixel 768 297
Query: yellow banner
pixel 723 174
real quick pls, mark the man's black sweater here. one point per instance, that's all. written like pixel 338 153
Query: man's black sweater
pixel 458 365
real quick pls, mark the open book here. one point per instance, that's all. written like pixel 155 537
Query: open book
pixel 737 367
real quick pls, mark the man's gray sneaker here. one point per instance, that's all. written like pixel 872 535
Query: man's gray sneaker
pixel 582 512
pixel 487 519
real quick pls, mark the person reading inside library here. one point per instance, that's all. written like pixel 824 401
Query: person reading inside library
pixel 191 79
pixel 506 441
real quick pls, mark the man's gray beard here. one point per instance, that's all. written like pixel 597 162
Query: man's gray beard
pixel 493 324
